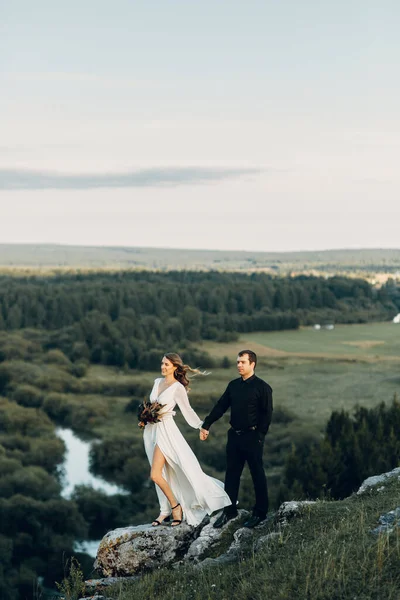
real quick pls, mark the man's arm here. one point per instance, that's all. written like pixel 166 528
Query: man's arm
pixel 219 409
pixel 265 410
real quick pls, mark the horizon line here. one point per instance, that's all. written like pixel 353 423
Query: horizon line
pixel 185 249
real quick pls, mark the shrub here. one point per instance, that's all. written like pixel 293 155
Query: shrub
pixel 57 357
pixel 57 407
pixel 281 414
pixel 27 395
pixel 355 446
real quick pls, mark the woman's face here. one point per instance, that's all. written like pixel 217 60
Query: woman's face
pixel 167 367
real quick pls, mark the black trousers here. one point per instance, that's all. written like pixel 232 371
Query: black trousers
pixel 241 448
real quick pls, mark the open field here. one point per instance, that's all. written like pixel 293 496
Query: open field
pixel 375 264
pixel 315 372
pixel 310 389
pixel 311 372
pixel 372 341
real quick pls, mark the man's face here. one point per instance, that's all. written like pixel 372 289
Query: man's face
pixel 244 366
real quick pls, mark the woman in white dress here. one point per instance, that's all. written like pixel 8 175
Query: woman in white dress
pixel 183 489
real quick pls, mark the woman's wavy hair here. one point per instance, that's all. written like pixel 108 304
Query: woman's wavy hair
pixel 182 369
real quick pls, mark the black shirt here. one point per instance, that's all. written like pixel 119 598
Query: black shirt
pixel 250 401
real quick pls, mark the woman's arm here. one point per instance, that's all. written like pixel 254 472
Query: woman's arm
pixel 189 414
pixel 153 389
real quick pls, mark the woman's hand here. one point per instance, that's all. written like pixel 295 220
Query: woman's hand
pixel 203 434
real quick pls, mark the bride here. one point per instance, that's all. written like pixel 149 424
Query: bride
pixel 183 489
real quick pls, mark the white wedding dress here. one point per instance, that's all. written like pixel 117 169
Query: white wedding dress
pixel 196 492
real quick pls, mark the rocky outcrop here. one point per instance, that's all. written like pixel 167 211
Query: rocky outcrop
pixel 378 480
pixel 288 510
pixel 388 522
pixel 127 552
pixel 209 536
pixel 131 550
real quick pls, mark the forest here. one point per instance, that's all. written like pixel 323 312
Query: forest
pixel 128 318
pixel 353 447
pixel 58 332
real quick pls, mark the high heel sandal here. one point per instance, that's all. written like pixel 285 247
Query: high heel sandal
pixel 165 520
pixel 176 521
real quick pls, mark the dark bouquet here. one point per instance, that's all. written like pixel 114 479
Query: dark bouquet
pixel 148 412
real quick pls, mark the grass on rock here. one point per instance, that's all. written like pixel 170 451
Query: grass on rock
pixel 327 553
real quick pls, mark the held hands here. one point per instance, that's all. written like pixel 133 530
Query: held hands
pixel 203 434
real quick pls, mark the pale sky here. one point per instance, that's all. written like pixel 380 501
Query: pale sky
pixel 226 124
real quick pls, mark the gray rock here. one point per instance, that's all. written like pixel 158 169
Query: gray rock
pixel 378 479
pixel 240 536
pixel 288 510
pixel 388 522
pixel 265 540
pixel 131 550
pixel 224 559
pixel 209 536
pixel 97 586
pixel 95 597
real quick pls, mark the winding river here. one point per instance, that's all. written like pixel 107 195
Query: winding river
pixel 76 472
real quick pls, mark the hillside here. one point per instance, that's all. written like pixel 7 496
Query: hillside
pixel 320 551
pixel 53 256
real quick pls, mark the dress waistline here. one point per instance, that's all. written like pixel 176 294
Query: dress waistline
pixel 165 416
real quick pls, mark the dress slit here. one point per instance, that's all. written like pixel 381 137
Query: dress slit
pixel 197 493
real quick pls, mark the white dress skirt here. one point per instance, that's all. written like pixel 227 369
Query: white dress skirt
pixel 197 493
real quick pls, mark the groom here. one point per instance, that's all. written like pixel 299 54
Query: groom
pixel 250 401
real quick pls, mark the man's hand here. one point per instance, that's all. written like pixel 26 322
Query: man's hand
pixel 203 434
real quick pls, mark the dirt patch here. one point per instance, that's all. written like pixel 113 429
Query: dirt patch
pixel 230 349
pixel 365 344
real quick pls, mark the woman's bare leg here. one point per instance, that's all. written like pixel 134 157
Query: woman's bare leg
pixel 157 476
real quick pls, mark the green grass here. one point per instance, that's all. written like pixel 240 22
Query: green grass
pixel 326 554
pixel 315 372
pixel 310 389
pixel 369 340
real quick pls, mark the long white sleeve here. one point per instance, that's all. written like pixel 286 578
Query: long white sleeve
pixel 189 414
pixel 154 389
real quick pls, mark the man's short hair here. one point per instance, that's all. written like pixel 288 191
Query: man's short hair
pixel 252 356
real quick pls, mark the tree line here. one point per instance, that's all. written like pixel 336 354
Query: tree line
pixel 37 526
pixel 355 446
pixel 128 318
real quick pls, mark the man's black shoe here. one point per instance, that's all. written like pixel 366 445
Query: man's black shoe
pixel 223 520
pixel 253 521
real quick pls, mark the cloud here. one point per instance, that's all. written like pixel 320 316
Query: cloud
pixel 22 179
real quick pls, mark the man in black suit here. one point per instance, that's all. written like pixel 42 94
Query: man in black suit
pixel 250 401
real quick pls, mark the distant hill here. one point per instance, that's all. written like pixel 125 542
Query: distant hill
pixel 53 256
